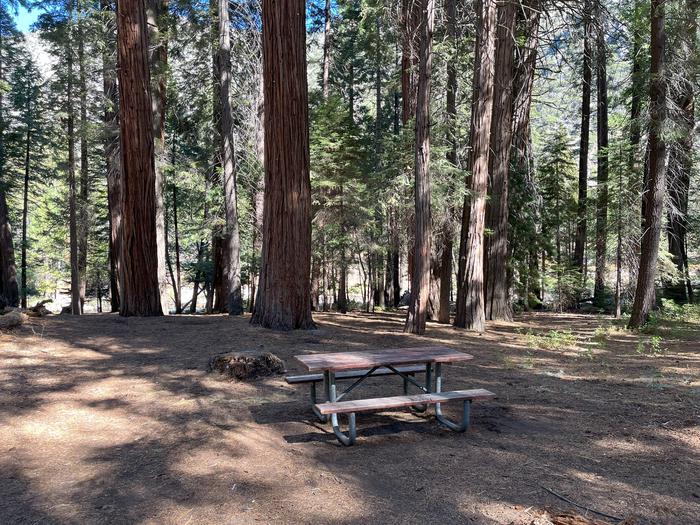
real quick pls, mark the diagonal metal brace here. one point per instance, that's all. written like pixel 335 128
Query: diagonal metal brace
pixel 356 383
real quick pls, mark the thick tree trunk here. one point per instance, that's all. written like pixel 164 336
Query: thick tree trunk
pixel 138 276
pixel 111 158
pixel 497 300
pixel 157 11
pixel 645 295
pixel 283 297
pixel 231 240
pixel 470 299
pixel 582 210
pixel 420 289
pixel 601 230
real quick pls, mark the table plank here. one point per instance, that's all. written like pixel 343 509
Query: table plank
pixel 368 359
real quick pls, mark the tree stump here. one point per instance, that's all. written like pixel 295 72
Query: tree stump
pixel 246 365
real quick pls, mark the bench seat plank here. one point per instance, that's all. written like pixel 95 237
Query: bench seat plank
pixel 317 378
pixel 383 403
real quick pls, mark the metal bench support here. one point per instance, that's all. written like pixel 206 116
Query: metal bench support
pixel 457 427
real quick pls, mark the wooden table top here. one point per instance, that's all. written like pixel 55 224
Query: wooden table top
pixel 396 356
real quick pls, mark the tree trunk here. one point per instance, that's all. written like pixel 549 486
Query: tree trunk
pixel 76 304
pixel 681 163
pixel 601 235
pixel 83 219
pixel 9 294
pixel 258 196
pixel 582 210
pixel 283 292
pixel 644 297
pixel 497 300
pixel 138 274
pixel 231 240
pixel 157 11
pixel 25 198
pixel 111 157
pixel 326 49
pixel 420 288
pixel 470 299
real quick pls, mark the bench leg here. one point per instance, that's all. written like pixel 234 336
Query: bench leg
pixel 420 409
pixel 321 417
pixel 466 409
pixel 349 438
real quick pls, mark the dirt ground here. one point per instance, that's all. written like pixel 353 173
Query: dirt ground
pixel 112 420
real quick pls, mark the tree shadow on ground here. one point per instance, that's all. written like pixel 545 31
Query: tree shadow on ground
pixel 111 420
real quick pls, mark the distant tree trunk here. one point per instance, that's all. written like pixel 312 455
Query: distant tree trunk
pixel 76 304
pixel 139 251
pixel 470 299
pixel 177 277
pixel 447 245
pixel 681 162
pixel 83 219
pixel 582 210
pixel 157 11
pixel 618 254
pixel 327 42
pixel 231 240
pixel 645 295
pixel 111 158
pixel 601 236
pixel 258 196
pixel 420 289
pixel 9 293
pixel 25 197
pixel 497 300
pixel 283 297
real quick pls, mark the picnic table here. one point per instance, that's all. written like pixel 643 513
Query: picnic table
pixel 402 362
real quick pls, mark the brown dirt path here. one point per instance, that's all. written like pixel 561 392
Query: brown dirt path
pixel 111 420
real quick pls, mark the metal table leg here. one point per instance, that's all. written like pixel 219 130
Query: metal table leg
pixel 321 417
pixel 349 438
pixel 457 427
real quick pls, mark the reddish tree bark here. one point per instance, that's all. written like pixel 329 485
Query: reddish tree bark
pixel 140 293
pixel 645 296
pixel 470 298
pixel 420 289
pixel 283 298
pixel 497 301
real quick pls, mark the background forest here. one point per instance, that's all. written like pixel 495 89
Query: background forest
pixel 572 160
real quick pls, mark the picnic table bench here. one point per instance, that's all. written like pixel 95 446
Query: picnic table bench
pixel 403 362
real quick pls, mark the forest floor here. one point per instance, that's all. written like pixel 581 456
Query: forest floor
pixel 111 420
